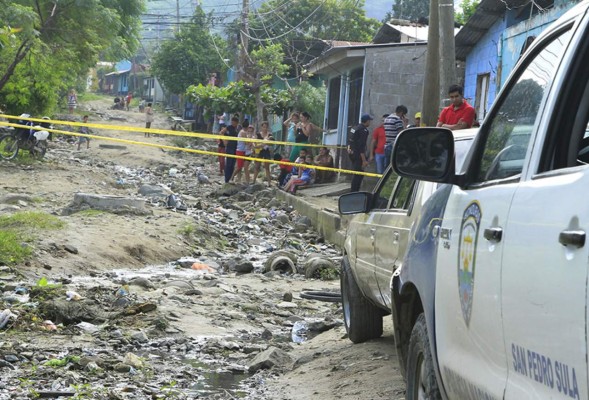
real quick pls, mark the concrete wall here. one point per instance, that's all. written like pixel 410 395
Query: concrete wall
pixel 394 76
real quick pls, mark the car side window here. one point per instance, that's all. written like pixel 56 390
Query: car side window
pixel 511 127
pixel 385 190
pixel 402 198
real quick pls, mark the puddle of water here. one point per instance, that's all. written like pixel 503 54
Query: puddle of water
pixel 216 381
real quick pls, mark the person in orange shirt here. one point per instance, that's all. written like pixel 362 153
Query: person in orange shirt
pixel 379 140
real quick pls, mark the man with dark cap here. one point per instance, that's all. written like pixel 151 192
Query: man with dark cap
pixel 357 150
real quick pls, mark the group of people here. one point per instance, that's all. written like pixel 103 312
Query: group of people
pixel 458 115
pixel 293 177
pixel 234 165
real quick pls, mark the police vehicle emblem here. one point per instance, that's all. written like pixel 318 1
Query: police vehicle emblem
pixel 467 246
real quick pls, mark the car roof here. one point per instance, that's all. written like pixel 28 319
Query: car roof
pixel 465 133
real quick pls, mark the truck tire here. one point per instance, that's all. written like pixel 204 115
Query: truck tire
pixel 421 377
pixel 362 319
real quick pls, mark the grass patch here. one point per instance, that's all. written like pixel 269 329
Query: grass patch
pixel 12 250
pixel 186 230
pixel 90 212
pixel 30 220
pixel 18 229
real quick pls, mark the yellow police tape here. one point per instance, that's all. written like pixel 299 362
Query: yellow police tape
pixel 209 136
pixel 205 152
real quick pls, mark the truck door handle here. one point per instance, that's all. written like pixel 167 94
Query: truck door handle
pixel 493 234
pixel 572 238
pixel 372 232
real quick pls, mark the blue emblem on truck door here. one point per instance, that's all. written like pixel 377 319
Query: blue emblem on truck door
pixel 467 246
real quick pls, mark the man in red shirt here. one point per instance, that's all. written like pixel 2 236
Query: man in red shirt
pixel 459 114
pixel 379 140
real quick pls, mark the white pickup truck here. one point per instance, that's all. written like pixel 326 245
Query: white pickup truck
pixel 491 300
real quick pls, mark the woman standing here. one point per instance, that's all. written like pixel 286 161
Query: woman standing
pixel 72 101
pixel 303 133
pixel 264 152
pixel 291 126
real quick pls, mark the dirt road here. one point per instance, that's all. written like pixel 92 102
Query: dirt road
pixel 146 326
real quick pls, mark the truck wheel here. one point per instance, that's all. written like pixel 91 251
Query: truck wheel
pixel 421 377
pixel 362 319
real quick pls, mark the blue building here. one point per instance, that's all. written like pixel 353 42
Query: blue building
pixel 493 40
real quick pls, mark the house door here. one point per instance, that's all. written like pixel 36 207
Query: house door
pixel 482 96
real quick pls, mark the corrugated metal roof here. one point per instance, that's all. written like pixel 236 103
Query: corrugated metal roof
pixel 487 13
pixel 118 72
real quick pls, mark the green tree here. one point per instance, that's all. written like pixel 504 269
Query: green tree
pixel 54 43
pixel 192 57
pixel 410 9
pixel 467 7
pixel 282 21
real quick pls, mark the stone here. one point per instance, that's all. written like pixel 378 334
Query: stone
pixel 271 358
pixel 142 282
pixel 286 304
pixel 300 228
pixel 114 204
pixel 287 297
pixel 139 337
pixel 266 334
pixel 16 198
pixel 70 249
pixel 122 368
pixel 283 218
pixel 304 220
pixel 153 191
pixel 227 190
pixel 240 266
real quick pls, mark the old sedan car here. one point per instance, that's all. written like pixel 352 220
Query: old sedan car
pixel 375 243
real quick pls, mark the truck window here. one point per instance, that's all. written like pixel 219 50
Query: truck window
pixel 385 190
pixel 403 194
pixel 510 129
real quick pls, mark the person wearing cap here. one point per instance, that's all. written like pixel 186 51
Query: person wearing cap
pixel 417 123
pixel 357 150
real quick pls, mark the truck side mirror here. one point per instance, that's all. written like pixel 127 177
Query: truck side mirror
pixel 425 154
pixel 355 203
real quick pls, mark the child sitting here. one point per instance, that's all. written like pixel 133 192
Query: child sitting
pixel 305 177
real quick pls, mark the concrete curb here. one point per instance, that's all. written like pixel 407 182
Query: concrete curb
pixel 327 223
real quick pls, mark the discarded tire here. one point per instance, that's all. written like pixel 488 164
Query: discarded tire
pixel 329 297
pixel 281 261
pixel 320 268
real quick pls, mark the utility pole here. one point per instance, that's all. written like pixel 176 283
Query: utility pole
pixel 431 85
pixel 177 16
pixel 244 40
pixel 447 49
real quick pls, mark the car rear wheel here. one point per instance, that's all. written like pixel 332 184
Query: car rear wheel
pixel 421 377
pixel 362 319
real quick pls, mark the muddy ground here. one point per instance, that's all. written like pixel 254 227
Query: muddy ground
pixel 141 325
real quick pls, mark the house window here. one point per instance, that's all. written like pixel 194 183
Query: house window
pixel 482 96
pixel 333 105
pixel 355 97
